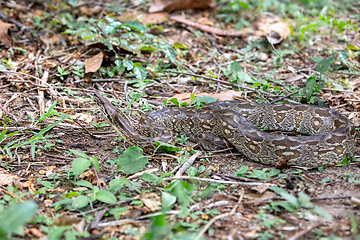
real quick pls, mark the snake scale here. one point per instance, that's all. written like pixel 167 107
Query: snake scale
pixel 330 136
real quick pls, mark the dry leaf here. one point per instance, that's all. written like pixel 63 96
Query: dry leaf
pixel 172 5
pixel 263 196
pixel 36 232
pixel 30 184
pixel 4 36
pixel 65 220
pixel 90 11
pixel 88 175
pixel 7 179
pixel 154 18
pixel 261 188
pixel 86 118
pixel 94 63
pixel 151 200
pixel 48 202
pixel 272 28
pixel 50 41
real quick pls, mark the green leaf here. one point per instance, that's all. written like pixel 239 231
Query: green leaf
pixel 304 200
pixel 83 183
pixel 132 160
pixel 13 218
pixel 112 27
pixel 242 171
pixel 106 196
pixel 166 147
pixel 147 48
pixel 56 232
pixel 80 202
pixel 235 67
pixel 244 77
pixel 288 197
pixel 136 26
pixel 78 153
pixel 324 65
pixel 95 162
pixel 167 201
pixel 318 210
pixel 140 73
pixel 204 100
pixel 170 53
pixel 128 64
pixel 179 46
pixel 182 190
pixel 2 135
pixel 149 177
pixel 243 5
pixel 79 165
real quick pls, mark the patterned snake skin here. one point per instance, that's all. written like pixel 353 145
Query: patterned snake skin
pixel 331 136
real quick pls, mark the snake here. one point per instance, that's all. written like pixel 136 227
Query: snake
pixel 324 137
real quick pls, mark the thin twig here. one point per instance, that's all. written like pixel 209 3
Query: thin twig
pixel 224 215
pixel 94 136
pixel 188 164
pixel 303 232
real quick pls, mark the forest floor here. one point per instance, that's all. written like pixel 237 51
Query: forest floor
pixel 66 174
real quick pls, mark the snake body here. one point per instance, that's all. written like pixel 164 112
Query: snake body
pixel 330 135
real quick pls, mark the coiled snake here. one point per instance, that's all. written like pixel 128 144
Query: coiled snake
pixel 331 135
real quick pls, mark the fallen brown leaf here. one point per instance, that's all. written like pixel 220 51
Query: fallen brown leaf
pixel 7 179
pixel 4 33
pixel 151 200
pixel 94 63
pixel 30 184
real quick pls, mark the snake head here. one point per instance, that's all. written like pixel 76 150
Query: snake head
pixel 105 105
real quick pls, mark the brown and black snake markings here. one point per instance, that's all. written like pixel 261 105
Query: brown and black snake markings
pixel 330 136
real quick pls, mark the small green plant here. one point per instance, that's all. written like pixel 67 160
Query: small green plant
pixel 182 139
pixel 263 174
pixel 232 13
pixel 83 162
pixel 61 73
pixel 78 70
pixel 100 127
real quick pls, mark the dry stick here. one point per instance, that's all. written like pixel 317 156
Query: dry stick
pixel 139 174
pixel 101 80
pixel 303 232
pixel 41 100
pixel 208 225
pixel 355 74
pixel 188 164
pixel 8 113
pixel 98 216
